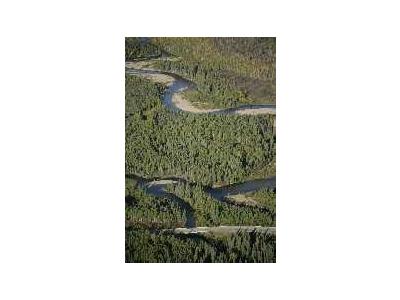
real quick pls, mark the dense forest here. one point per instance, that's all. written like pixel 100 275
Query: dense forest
pixel 145 246
pixel 138 48
pixel 201 148
pixel 210 212
pixel 145 211
pixel 204 149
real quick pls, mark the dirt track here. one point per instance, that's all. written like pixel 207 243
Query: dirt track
pixel 224 229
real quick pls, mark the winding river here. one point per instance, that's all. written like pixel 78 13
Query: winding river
pixel 174 101
pixel 173 98
pixel 158 187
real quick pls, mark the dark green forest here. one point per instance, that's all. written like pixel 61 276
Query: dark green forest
pixel 205 150
pixel 209 212
pixel 136 48
pixel 151 247
pixel 146 211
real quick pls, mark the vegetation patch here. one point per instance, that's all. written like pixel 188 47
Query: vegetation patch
pixel 143 246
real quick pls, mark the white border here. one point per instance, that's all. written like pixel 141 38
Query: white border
pixel 62 154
